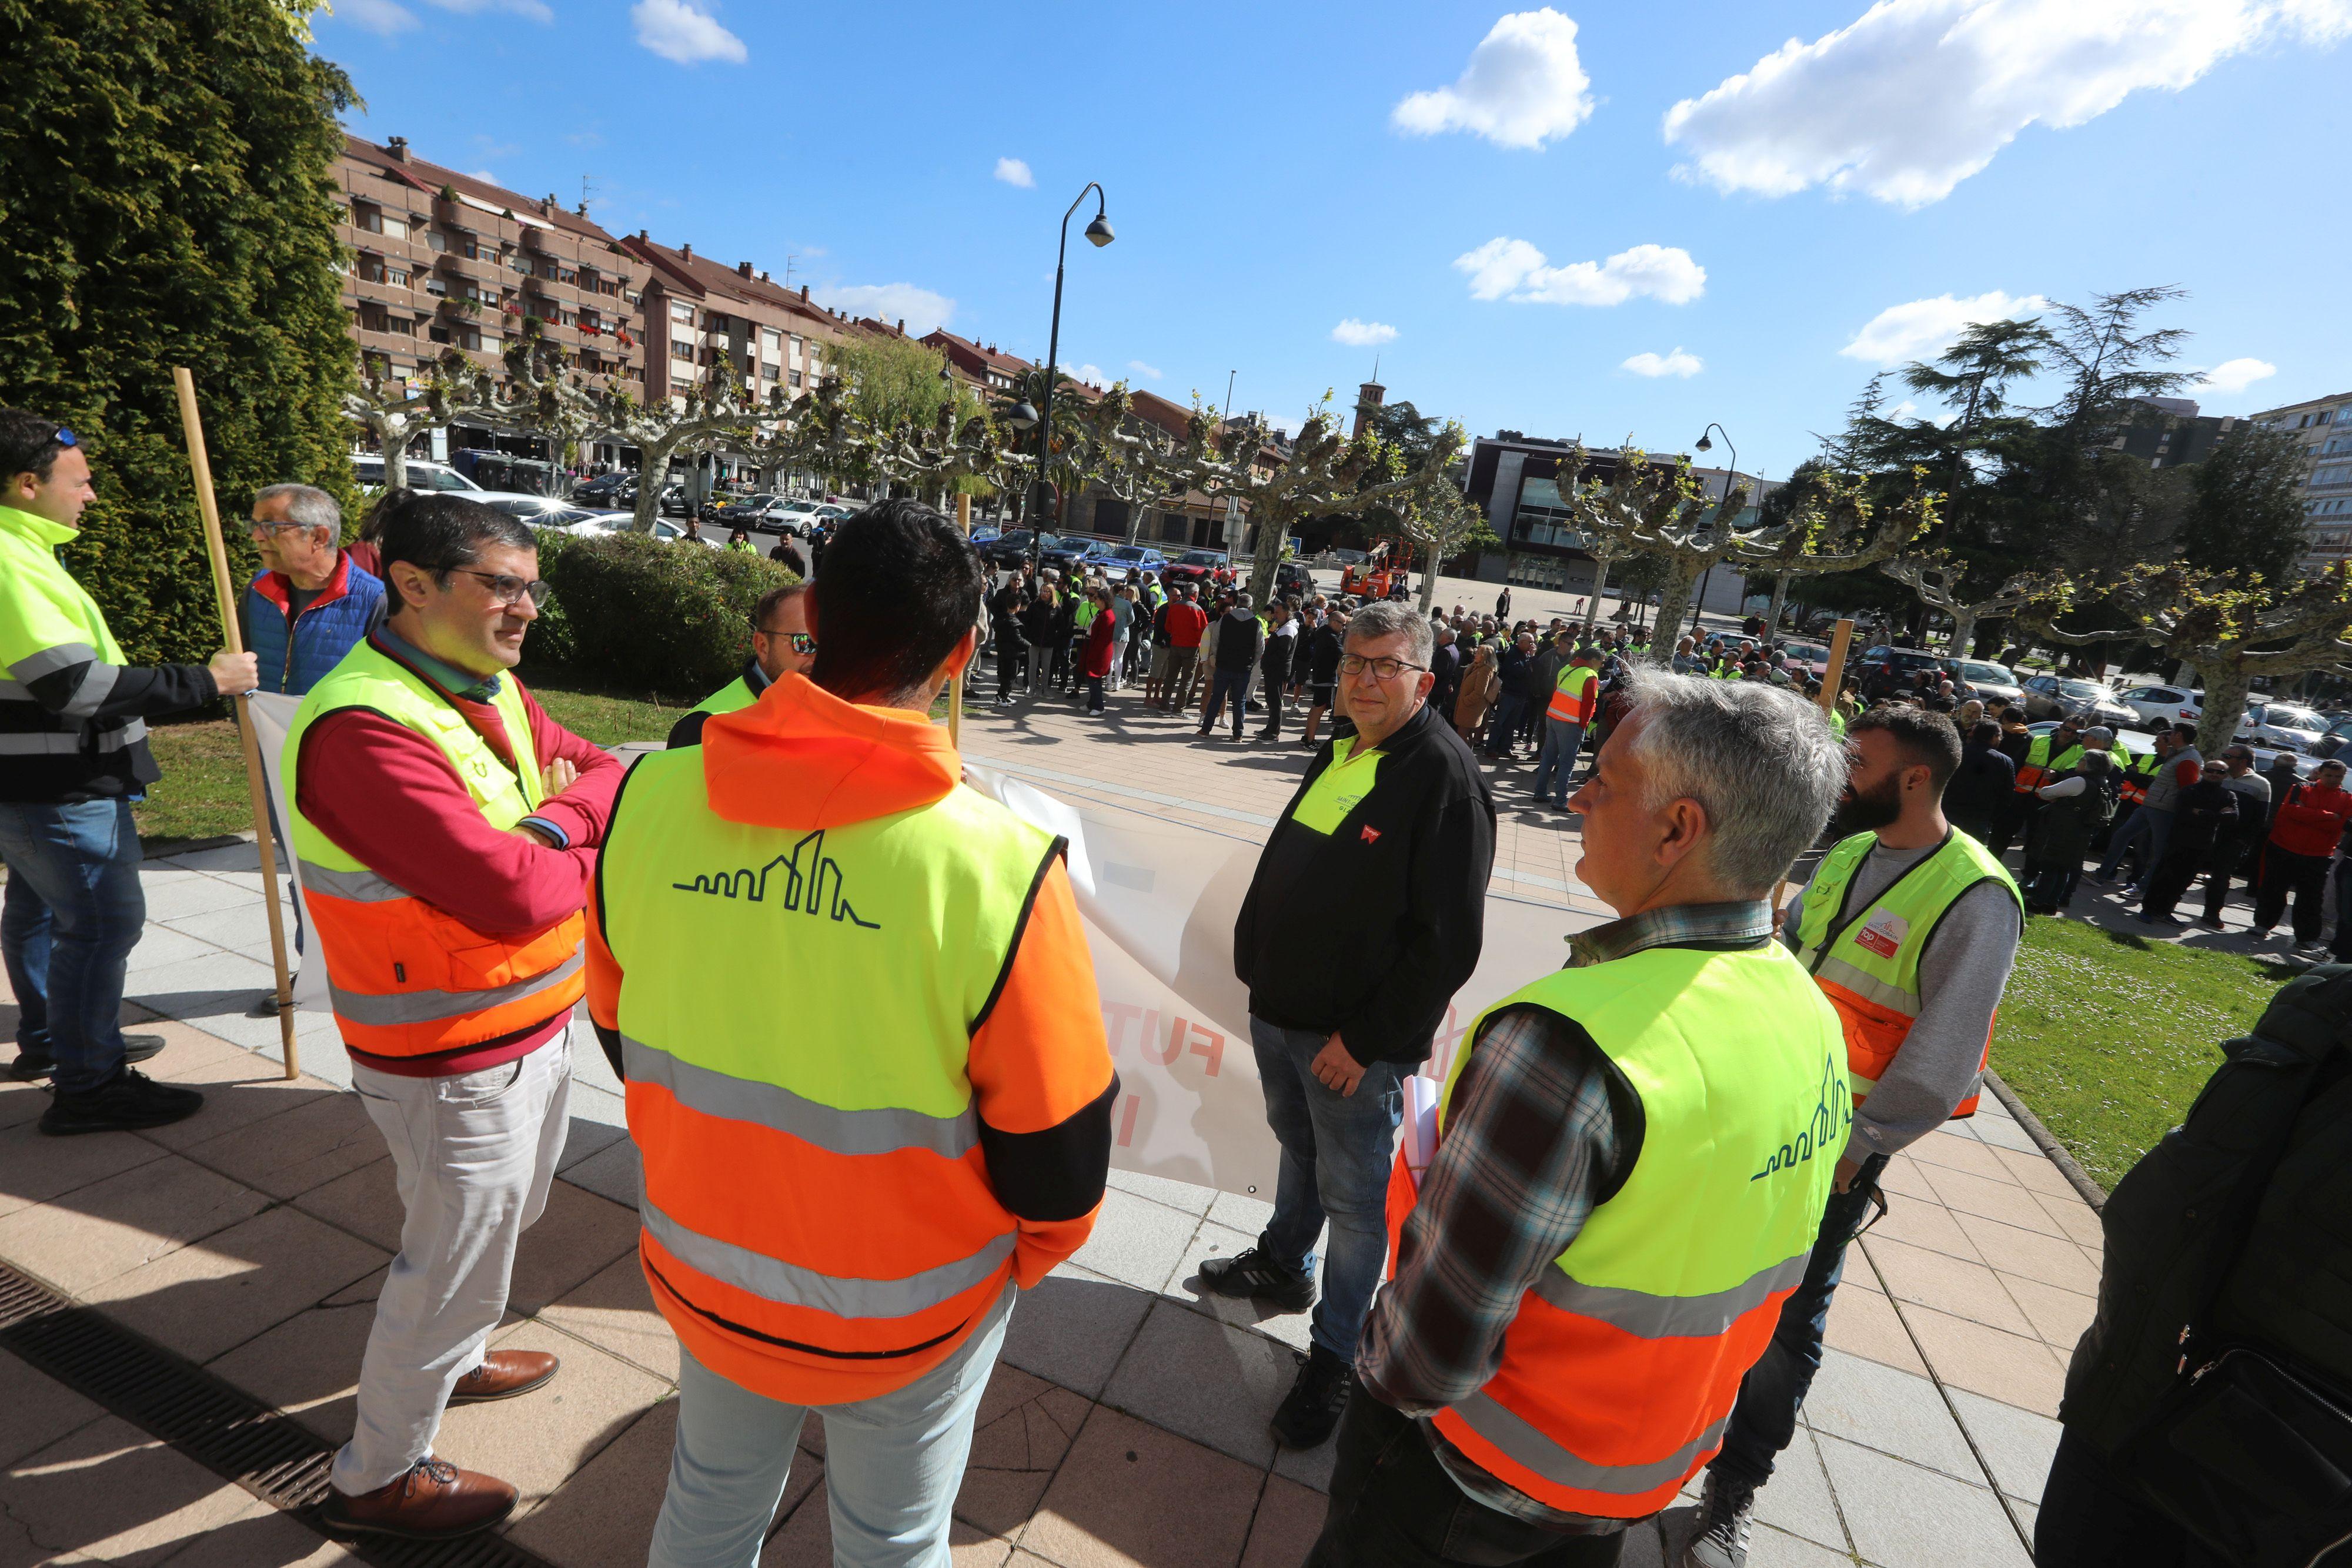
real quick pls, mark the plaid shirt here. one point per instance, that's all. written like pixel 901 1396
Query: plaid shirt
pixel 1531 1141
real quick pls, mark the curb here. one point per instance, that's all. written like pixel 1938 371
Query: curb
pixel 2093 1194
pixel 154 849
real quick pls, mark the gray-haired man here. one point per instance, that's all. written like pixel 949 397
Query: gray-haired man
pixel 311 600
pixel 1366 914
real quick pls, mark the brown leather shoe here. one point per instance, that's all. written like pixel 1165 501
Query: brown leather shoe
pixel 503 1374
pixel 435 1500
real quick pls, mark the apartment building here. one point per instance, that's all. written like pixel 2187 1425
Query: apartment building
pixel 2324 426
pixel 440 258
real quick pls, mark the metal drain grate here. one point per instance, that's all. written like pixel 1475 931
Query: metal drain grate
pixel 227 1432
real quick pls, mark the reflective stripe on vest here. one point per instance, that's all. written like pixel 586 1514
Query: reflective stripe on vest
pixel 1866 961
pixel 404 978
pixel 1624 1362
pixel 852 1096
pixel 1571 698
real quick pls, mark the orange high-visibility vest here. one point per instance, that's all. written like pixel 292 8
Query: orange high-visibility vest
pixel 1572 697
pixel 404 978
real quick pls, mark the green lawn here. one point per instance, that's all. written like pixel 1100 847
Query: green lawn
pixel 2107 1036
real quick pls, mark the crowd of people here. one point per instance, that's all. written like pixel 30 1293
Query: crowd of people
pixel 1601 1265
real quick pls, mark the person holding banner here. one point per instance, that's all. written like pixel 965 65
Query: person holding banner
pixel 1632 1156
pixel 846 1187
pixel 73 733
pixel 444 829
pixel 1365 915
pixel 780 643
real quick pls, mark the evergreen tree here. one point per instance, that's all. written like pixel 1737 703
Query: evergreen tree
pixel 2244 514
pixel 167 190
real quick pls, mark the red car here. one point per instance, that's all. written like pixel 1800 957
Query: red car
pixel 1194 566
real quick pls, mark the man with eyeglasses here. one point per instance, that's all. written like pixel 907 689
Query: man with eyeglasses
pixel 1366 914
pixel 310 601
pixel 780 645
pixel 444 830
pixel 73 756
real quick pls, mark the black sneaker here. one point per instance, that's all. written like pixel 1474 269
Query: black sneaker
pixel 1311 1409
pixel 135 1048
pixel 1726 1515
pixel 127 1102
pixel 1255 1277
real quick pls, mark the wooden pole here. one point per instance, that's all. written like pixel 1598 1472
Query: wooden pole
pixel 201 463
pixel 1838 639
pixel 955 681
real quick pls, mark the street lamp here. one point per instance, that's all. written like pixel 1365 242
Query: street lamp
pixel 1099 234
pixel 1707 445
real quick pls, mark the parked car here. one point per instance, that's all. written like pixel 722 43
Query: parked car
pixel 1292 577
pixel 603 490
pixel 1885 670
pixel 673 501
pixel 781 515
pixel 1116 561
pixel 740 511
pixel 2285 726
pixel 2058 697
pixel 1009 550
pixel 2334 741
pixel 1982 678
pixel 2160 706
pixel 1813 658
pixel 1063 554
pixel 367 469
pixel 1194 566
pixel 545 511
pixel 620 523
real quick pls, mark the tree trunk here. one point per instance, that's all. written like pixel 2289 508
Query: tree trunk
pixel 653 473
pixel 1780 581
pixel 1602 558
pixel 1134 521
pixel 395 453
pixel 2226 686
pixel 1964 631
pixel 1271 531
pixel 1430 559
pixel 1674 599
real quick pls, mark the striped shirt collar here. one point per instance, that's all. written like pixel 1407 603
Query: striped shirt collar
pixel 448 677
pixel 1743 923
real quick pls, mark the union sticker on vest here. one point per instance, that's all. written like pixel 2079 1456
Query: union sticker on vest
pixel 1882 934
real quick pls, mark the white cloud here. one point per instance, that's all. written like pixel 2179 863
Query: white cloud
pixel 1362 334
pixel 682 31
pixel 1014 171
pixel 484 175
pixel 2233 376
pixel 1675 364
pixel 384 18
pixel 1148 372
pixel 535 10
pixel 1918 95
pixel 1924 327
pixel 922 310
pixel 1514 269
pixel 1523 87
pixel 1092 374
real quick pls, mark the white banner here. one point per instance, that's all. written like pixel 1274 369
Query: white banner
pixel 1159 900
pixel 273 716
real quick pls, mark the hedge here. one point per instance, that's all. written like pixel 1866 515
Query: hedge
pixel 639 613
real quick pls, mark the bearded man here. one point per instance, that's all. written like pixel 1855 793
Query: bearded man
pixel 1910 928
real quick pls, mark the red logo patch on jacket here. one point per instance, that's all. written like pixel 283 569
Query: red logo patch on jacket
pixel 1371 835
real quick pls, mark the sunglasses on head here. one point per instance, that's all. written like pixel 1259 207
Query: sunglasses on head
pixel 64 437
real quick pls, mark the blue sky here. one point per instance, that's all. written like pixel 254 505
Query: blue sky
pixel 1491 197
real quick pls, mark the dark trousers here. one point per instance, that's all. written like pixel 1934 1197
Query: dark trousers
pixel 2166 885
pixel 1394 1506
pixel 1273 730
pixel 2008 823
pixel 2091 1518
pixel 2049 884
pixel 2304 877
pixel 1095 693
pixel 1223 684
pixel 1509 711
pixel 1764 1421
pixel 2220 867
pixel 1007 660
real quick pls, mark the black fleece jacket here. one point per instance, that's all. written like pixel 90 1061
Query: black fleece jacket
pixel 1369 931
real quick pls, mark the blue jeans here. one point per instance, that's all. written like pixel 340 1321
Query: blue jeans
pixel 1562 739
pixel 1764 1421
pixel 1509 711
pixel 892 1463
pixel 73 912
pixel 1335 1150
pixel 1222 685
pixel 2156 827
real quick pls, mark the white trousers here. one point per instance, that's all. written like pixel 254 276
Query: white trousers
pixel 475 1154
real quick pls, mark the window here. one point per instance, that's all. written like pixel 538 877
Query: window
pixel 435 240
pixel 364 215
pixel 795 378
pixel 679 386
pixel 679 350
pixel 680 311
pixel 393 228
pixel 772 341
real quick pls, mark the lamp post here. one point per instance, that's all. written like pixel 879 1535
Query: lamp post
pixel 1707 445
pixel 1099 234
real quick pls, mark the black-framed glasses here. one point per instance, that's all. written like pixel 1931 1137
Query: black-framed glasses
pixel 1386 669
pixel 509 591
pixel 802 643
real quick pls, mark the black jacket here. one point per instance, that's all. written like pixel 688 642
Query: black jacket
pixel 1239 638
pixel 1981 785
pixel 1370 931
pixel 1323 651
pixel 1275 663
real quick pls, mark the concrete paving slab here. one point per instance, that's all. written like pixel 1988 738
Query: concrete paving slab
pixel 34 1169
pixel 1798 1498
pixel 176 894
pixel 1074 1327
pixel 1184 1286
pixel 1917 1517
pixel 605 1513
pixel 112 1226
pixel 263 1537
pixel 366 1203
pixel 1136 1241
pixel 1894 1412
pixel 2009 1367
pixel 208 1297
pixel 307 1366
pixel 286 1155
pixel 615 1311
pixel 575 1239
pixel 1182 1195
pixel 2017 1444
pixel 1024 1431
pixel 616 1174
pixel 537 1441
pixel 110 1493
pixel 161 947
pixel 36 1410
pixel 1288 1518
pixel 1956 1285
pixel 1209 1382
pixel 1131 1495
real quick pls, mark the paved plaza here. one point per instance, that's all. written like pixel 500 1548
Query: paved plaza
pixel 1127 1422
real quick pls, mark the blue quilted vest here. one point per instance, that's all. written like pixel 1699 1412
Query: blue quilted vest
pixel 324 632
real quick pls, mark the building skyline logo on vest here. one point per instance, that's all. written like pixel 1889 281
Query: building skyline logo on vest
pixel 816 890
pixel 1824 1129
pixel 1883 933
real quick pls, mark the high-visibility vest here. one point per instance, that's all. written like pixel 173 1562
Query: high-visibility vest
pixel 2039 768
pixel 2133 786
pixel 735 695
pixel 49 621
pixel 1572 694
pixel 1866 960
pixel 816 1210
pixel 404 978
pixel 1621 1368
